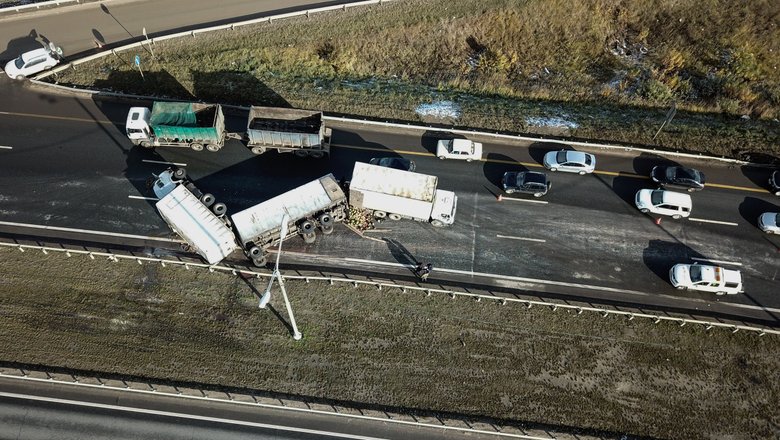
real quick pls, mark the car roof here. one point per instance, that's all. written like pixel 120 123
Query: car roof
pixel 678 199
pixel 27 56
pixel 534 177
pixel 575 156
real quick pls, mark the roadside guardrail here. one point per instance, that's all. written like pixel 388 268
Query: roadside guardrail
pixel 39 5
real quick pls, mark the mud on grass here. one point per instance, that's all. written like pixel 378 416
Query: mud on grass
pixel 389 348
pixel 612 68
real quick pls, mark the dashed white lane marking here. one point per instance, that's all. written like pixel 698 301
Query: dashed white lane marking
pixel 86 231
pixel 187 416
pixel 538 240
pixel 702 220
pixel 6 148
pixel 541 202
pixel 178 164
pixel 143 198
pixel 733 263
pixel 575 285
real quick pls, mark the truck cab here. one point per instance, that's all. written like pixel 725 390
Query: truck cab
pixel 462 149
pixel 445 204
pixel 137 125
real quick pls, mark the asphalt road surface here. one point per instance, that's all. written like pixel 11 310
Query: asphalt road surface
pixel 67 163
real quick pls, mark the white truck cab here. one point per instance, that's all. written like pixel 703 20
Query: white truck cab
pixel 706 278
pixel 462 149
pixel 445 204
pixel 137 125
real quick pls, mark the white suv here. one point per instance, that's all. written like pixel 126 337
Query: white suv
pixel 34 61
pixel 658 201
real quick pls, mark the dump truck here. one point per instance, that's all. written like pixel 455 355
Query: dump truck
pixel 396 194
pixel 286 130
pixel 317 204
pixel 177 124
pixel 194 216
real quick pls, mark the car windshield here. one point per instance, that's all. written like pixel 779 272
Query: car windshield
pixel 777 219
pixel 656 197
pixel 695 274
pixel 561 157
pixel 19 63
pixel 588 160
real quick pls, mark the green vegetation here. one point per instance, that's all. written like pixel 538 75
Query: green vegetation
pixel 390 348
pixel 612 68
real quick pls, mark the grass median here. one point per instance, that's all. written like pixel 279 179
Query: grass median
pixel 389 348
pixel 601 70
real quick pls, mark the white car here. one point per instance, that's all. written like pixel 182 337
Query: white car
pixel 659 201
pixel 570 161
pixel 769 222
pixel 462 149
pixel 705 278
pixel 34 61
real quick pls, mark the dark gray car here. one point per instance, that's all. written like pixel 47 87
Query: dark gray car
pixel 398 163
pixel 688 179
pixel 774 182
pixel 526 182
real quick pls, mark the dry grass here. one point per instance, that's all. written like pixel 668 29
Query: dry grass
pixel 390 348
pixel 613 67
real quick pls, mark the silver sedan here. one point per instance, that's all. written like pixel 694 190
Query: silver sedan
pixel 570 161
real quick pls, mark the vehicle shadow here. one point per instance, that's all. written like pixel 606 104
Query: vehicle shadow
pixel 239 88
pixel 752 207
pixel 18 46
pixel 343 158
pixel 495 166
pixel 154 83
pixel 644 163
pixel 537 150
pixel 626 187
pixel 758 175
pixel 659 256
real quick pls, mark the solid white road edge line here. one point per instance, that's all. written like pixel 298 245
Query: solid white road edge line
pixel 178 164
pixel 86 231
pixel 538 240
pixel 733 263
pixel 143 198
pixel 702 220
pixel 185 416
pixel 541 202
pixel 575 285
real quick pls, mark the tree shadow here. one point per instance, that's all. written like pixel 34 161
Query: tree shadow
pixel 752 207
pixel 659 256
pixel 496 165
pixel 239 88
pixel 537 150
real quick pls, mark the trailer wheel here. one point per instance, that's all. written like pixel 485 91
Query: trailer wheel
pixel 196 146
pixel 179 174
pixel 213 147
pixel 146 144
pixel 309 238
pixel 395 217
pixel 327 230
pixel 380 214
pixel 301 153
pixel 307 227
pixel 326 220
pixel 207 199
pixel 261 261
pixel 258 150
pixel 317 154
pixel 437 223
pixel 255 252
pixel 219 209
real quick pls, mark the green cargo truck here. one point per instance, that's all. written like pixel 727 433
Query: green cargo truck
pixel 177 124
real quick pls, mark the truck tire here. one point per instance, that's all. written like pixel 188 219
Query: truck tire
pixel 327 230
pixel 380 214
pixel 258 150
pixel 255 253
pixel 213 147
pixel 326 220
pixel 301 153
pixel 179 174
pixel 207 199
pixel 146 144
pixel 394 217
pixel 437 223
pixel 317 154
pixel 196 146
pixel 309 238
pixel 219 209
pixel 260 261
pixel 307 227
pixel 441 157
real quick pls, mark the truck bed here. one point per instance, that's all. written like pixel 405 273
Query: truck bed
pixel 284 127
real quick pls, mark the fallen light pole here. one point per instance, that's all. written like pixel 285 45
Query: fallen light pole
pixel 277 275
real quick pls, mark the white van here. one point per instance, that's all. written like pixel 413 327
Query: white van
pixel 659 201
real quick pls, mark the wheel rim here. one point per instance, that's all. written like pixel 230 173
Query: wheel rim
pixel 212 147
pixel 197 147
pixel 258 150
pixel 395 217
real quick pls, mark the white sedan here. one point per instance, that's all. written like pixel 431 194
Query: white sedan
pixel 34 61
pixel 769 222
pixel 570 161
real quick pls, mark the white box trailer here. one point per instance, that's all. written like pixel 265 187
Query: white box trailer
pixel 204 231
pixel 319 203
pixel 398 194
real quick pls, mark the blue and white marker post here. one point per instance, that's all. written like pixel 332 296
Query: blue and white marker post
pixel 138 64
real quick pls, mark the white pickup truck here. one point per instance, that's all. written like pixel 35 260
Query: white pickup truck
pixel 706 278
pixel 462 149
